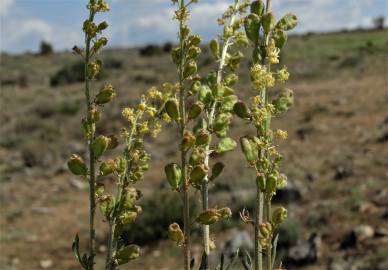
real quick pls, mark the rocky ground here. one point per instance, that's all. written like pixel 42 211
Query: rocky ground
pixel 336 158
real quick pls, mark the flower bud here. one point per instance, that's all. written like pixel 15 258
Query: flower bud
pixel 195 40
pixel 208 217
pixel 252 27
pixel 231 79
pixel 279 215
pixel 176 55
pixel 271 184
pixel 174 175
pixel 215 48
pixel 202 137
pixel 93 69
pixel 107 167
pixel 128 217
pixel 120 164
pixel 190 69
pixel 198 174
pixel 249 150
pixel 268 22
pixel 102 26
pixel 127 254
pixel 241 110
pixel 260 182
pixel 193 52
pixel 288 22
pixel 195 110
pixel 99 146
pixel 188 141
pixel 265 229
pixel 76 165
pixel 257 7
pixel 217 170
pixel 225 212
pixel 172 109
pixel 175 233
pixel 284 101
pixel 280 38
pixel 195 87
pixel 106 94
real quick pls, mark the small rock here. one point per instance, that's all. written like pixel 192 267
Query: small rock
pixel 77 184
pixel 306 252
pixel 359 234
pixel 240 241
pixel 102 248
pixel 46 263
pixel 381 232
pixel 367 208
pixel 381 198
pixel 342 172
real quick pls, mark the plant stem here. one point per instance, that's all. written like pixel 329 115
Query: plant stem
pixel 92 177
pixel 268 218
pixel 182 105
pixel 258 220
pixel 205 184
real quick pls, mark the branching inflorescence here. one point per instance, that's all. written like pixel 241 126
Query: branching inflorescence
pixel 267 38
pixel 127 168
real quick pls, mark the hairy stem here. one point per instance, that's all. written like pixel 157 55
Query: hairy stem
pixel 92 177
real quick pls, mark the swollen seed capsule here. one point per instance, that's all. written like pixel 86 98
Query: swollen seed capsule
pixel 208 217
pixel 99 146
pixel 175 233
pixel 172 109
pixel 279 215
pixel 174 175
pixel 188 141
pixel 231 79
pixel 195 110
pixel 252 27
pixel 176 55
pixel 271 184
pixel 248 149
pixel 241 110
pixel 288 22
pixel 268 21
pixel 215 48
pixel 224 212
pixel 260 182
pixel 113 142
pixel 93 115
pixel 106 94
pixel 102 26
pixel 217 170
pixel 195 87
pixel 257 7
pixel 202 137
pixel 76 165
pixel 190 69
pixel 265 229
pixel 195 40
pixel 107 167
pixel 193 52
pixel 198 174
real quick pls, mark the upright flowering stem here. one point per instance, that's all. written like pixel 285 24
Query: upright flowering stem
pixel 267 37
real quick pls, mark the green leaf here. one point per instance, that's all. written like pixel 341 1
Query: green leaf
pixel 75 248
pixel 225 145
pixel 217 170
pixel 288 22
pixel 268 22
pixel 257 7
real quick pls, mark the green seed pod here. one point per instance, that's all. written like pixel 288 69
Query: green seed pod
pixel 187 142
pixel 113 142
pixel 231 79
pixel 265 229
pixel 195 87
pixel 224 212
pixel 100 189
pixel 190 69
pixel 208 217
pixel 128 217
pixel 271 184
pixel 229 103
pixel 261 182
pixel 99 146
pixel 268 21
pixel 242 110
pixel 202 137
pixel 185 31
pixel 215 48
pixel 193 52
pixel 106 94
pixel 252 27
pixel 127 254
pixel 222 121
pixel 76 165
pixel 195 110
pixel 175 233
pixel 218 90
pixel 257 7
pixel 107 203
pixel 217 170
pixel 197 157
pixel 288 22
pixel 205 95
pixel 284 101
pixel 172 109
pixel 93 115
pixel 107 167
pixel 102 26
pixel 176 55
pixel 121 165
pixel 279 215
pixel 280 37
pixel 242 39
pixel 94 69
pixel 194 40
pixel 174 175
pixel 198 174
pixel 249 150
pixel 225 145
